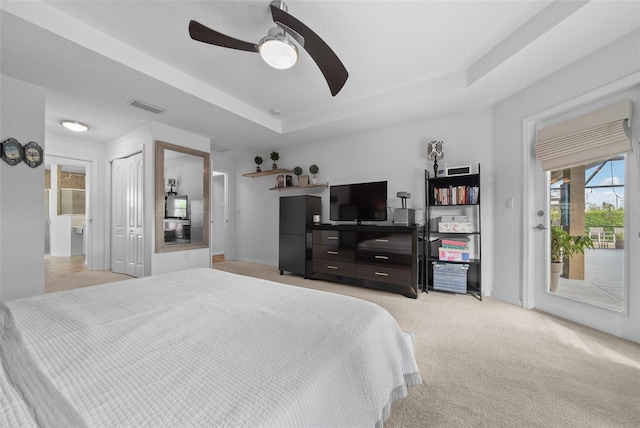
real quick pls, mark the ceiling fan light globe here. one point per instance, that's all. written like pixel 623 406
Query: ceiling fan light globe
pixel 278 52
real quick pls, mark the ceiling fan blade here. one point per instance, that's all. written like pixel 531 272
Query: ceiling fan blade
pixel 204 34
pixel 330 65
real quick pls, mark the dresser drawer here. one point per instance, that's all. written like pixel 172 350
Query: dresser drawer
pixel 382 273
pixel 383 257
pixel 334 267
pixel 389 242
pixel 333 252
pixel 335 238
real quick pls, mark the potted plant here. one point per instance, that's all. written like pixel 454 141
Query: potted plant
pixel 258 161
pixel 564 245
pixel 313 169
pixel 619 239
pixel 298 172
pixel 274 157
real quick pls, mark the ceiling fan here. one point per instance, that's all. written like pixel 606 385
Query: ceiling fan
pixel 278 48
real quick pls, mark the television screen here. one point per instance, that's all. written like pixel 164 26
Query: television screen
pixel 358 202
pixel 176 206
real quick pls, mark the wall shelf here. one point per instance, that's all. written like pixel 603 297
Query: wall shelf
pixel 267 172
pixel 308 186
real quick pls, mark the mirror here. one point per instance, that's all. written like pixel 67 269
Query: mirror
pixel 182 198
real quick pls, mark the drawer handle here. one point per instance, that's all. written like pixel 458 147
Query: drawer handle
pixel 335 238
pixel 381 273
pixel 382 257
pixel 382 240
pixel 332 267
pixel 335 253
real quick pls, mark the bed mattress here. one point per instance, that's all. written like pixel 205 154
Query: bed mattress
pixel 200 348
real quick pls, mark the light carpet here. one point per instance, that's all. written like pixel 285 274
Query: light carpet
pixel 491 364
pixel 80 279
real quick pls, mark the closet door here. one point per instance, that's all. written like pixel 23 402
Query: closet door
pixel 127 216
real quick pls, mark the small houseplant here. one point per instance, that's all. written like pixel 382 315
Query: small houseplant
pixel 258 160
pixel 297 171
pixel 275 156
pixel 564 245
pixel 313 169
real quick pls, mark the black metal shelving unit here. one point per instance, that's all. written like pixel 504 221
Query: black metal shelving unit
pixel 449 196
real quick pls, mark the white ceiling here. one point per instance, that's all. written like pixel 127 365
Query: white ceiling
pixel 406 59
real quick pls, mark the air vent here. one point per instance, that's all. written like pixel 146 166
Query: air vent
pixel 147 106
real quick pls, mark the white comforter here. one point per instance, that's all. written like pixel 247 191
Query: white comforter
pixel 200 348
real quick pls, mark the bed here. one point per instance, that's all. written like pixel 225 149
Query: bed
pixel 200 347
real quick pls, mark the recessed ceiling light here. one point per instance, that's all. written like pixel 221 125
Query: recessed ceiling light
pixel 74 126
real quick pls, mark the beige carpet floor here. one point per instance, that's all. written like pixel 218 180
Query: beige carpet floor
pixel 57 282
pixel 491 364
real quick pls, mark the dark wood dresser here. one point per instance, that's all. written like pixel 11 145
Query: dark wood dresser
pixel 382 257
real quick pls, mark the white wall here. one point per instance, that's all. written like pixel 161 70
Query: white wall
pixel 396 154
pixel 22 215
pixel 606 65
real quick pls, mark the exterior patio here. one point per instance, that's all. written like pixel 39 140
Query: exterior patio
pixel 603 284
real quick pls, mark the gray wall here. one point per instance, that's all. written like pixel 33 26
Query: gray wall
pixel 22 193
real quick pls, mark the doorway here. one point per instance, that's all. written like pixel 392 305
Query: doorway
pixel 67 205
pixel 219 217
pixel 567 198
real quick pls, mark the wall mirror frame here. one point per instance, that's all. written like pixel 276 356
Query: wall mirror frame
pixel 162 150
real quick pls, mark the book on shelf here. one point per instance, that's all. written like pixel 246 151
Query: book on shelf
pixel 456 195
pixel 453 254
pixel 454 243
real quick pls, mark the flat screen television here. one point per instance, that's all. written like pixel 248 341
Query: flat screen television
pixel 358 202
pixel 176 206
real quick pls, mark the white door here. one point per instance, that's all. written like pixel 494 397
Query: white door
pixel 600 299
pixel 127 216
pixel 219 215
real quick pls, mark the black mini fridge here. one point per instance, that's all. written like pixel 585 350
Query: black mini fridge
pixel 296 218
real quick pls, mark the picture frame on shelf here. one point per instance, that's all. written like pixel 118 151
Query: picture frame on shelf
pixel 12 152
pixel 303 180
pixel 284 180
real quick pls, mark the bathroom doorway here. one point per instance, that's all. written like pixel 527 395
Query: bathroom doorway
pixel 66 203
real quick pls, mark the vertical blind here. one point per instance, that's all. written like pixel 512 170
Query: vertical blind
pixel 587 138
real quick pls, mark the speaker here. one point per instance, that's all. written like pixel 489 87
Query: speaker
pixel 404 216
